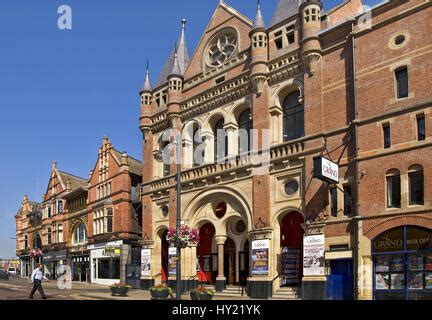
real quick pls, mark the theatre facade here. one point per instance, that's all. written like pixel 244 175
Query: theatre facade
pixel 330 199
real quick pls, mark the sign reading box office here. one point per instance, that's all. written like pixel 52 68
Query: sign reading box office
pixel 112 251
pixel 260 257
pixel 313 255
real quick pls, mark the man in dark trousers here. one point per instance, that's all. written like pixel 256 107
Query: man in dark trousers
pixel 37 277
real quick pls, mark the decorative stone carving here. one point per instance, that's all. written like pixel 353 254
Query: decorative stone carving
pixel 311 61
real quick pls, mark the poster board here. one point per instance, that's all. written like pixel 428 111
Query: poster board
pixel 172 261
pixel 260 257
pixel 145 262
pixel 313 255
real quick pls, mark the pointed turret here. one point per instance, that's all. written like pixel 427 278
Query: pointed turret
pixel 259 52
pixel 311 51
pixel 145 93
pixel 175 71
pixel 182 57
pixel 259 20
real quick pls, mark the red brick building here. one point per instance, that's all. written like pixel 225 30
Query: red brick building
pixel 350 85
pixel 91 225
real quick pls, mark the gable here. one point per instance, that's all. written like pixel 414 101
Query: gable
pixel 223 17
pixel 55 182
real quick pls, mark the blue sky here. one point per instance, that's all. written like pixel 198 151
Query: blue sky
pixel 62 91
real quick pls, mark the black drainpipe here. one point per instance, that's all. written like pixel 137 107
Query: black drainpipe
pixel 354 126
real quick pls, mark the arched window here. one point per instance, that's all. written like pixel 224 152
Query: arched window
pixel 393 188
pixel 220 152
pixel 293 117
pixel 416 185
pixel 245 124
pixel 79 235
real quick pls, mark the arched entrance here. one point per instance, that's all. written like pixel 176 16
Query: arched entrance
pixel 204 254
pixel 291 249
pixel 164 256
pixel 230 261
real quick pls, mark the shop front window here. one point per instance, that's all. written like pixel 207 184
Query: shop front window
pixel 403 264
pixel 109 268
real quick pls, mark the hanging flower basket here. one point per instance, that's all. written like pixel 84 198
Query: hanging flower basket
pixel 184 236
pixel 35 253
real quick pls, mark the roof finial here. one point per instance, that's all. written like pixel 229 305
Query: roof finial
pixel 183 24
pixel 175 71
pixel 259 21
pixel 147 85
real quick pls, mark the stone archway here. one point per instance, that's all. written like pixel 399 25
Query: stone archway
pixel 222 208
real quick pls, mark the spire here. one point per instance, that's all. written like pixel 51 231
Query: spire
pixel 175 71
pixel 285 9
pixel 147 85
pixel 182 57
pixel 259 21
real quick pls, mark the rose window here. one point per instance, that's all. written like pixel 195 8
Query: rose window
pixel 221 49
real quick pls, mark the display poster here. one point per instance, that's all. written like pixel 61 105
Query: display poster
pixel 397 263
pixel 382 264
pixel 145 262
pixel 415 280
pixel 428 262
pixel 260 257
pixel 397 281
pixel 172 261
pixel 382 281
pixel 428 281
pixel 415 262
pixel 313 255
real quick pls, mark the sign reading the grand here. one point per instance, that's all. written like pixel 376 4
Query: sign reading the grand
pixel 326 170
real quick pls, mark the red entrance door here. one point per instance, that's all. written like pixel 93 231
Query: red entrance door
pixel 204 253
pixel 164 256
pixel 291 249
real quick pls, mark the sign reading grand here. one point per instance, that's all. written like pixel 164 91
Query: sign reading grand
pixel 326 170
pixel 313 255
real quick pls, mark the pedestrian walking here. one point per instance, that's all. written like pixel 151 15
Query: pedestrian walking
pixel 37 277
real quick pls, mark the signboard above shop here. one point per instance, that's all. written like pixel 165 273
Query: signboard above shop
pixel 112 251
pixel 326 170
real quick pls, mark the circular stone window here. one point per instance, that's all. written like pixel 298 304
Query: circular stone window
pixel 400 39
pixel 240 226
pixel 291 187
pixel 165 211
pixel 220 210
pixel 221 48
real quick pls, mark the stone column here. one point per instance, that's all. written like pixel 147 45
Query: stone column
pixel 232 133
pixel 220 280
pixel 276 125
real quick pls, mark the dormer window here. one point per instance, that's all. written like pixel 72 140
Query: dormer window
pixel 278 40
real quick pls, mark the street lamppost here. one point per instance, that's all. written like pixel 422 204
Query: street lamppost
pixel 178 214
pixel 159 155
